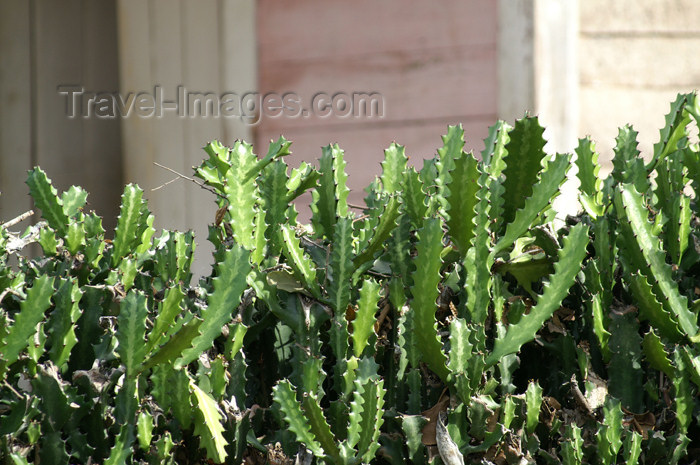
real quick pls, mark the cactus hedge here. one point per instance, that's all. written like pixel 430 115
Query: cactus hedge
pixel 451 319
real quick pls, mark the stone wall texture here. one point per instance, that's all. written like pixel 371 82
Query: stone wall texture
pixel 634 57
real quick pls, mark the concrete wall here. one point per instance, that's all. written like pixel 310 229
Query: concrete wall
pixel 206 46
pixel 434 65
pixel 634 57
pixel 45 44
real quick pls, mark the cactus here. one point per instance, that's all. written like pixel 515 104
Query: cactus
pixel 451 312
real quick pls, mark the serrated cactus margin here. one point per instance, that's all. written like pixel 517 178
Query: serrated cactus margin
pixel 425 292
pixel 31 312
pixel 565 270
pixel 46 198
pixel 646 253
pixel 228 288
pixel 128 223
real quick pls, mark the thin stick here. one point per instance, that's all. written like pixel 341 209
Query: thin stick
pixel 180 175
pixel 360 218
pixel 357 207
pixel 13 389
pixel 18 219
pixel 163 185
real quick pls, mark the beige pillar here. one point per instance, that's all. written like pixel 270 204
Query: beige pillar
pixel 538 73
pixel 538 66
pixel 169 46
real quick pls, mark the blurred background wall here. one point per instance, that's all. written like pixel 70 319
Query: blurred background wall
pixel 584 67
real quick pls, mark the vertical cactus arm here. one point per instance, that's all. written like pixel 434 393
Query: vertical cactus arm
pixel 414 380
pixel 633 447
pixel 366 418
pixel 363 325
pixel 675 128
pixel 599 326
pixel 146 237
pixel 75 237
pixel 241 193
pixel 387 223
pixel 425 292
pixel 588 168
pixel 488 207
pixel 61 324
pixel 493 163
pixel 144 428
pixel 374 413
pixel 405 341
pixel 302 263
pixel 451 149
pixel 399 250
pixel 341 266
pixel 677 209
pixel 628 166
pixel 31 312
pixel 460 354
pixel 625 376
pixel 339 343
pixel 169 310
pixel 414 197
pixel 603 244
pixel 650 309
pixel 285 397
pixel 683 395
pixel 121 451
pixel 533 403
pixel 566 268
pixel 393 168
pixel 340 178
pixel 462 199
pixel 330 196
pixel 207 424
pixel 685 216
pixel 428 177
pixel 572 445
pixel 670 200
pixel 273 193
pixel 645 251
pixel 543 191
pixel 319 426
pixel 126 232
pixel 477 261
pixel 131 331
pixel 260 242
pixel 229 285
pixel 523 163
pixel 46 199
pixel 609 435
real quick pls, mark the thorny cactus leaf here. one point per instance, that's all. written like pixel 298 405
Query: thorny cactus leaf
pixel 426 279
pixel 565 270
pixel 46 198
pixel 207 424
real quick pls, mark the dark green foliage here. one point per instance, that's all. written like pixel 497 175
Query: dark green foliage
pixel 346 339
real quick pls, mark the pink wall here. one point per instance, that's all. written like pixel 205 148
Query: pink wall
pixel 435 63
